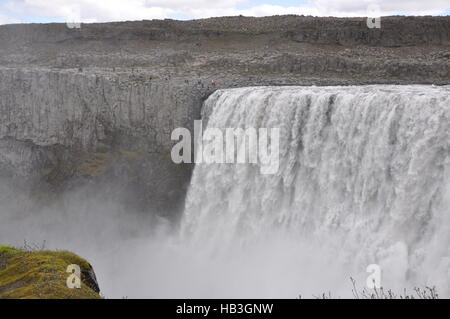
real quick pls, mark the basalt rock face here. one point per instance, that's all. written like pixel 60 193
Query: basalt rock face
pixel 61 125
pixel 395 31
pixel 98 103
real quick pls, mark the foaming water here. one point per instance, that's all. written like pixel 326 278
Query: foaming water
pixel 363 179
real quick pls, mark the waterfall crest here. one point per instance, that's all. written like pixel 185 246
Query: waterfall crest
pixel 364 173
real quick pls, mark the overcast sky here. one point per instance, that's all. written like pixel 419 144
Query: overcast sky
pixel 27 11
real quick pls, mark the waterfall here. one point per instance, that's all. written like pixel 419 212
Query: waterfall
pixel 363 178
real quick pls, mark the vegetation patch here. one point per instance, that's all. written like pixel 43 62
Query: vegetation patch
pixel 93 164
pixel 42 275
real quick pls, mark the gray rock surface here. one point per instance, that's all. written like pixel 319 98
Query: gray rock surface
pixel 77 105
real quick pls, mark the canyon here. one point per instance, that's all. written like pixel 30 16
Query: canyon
pixel 86 120
pixel 102 100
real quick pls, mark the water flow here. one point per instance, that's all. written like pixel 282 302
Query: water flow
pixel 364 178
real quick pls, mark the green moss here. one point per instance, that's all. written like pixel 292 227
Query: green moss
pixel 93 164
pixel 87 165
pixel 96 164
pixel 131 155
pixel 41 275
pixel 44 195
pixel 7 252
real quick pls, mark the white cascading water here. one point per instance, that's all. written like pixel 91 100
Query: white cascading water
pixel 364 178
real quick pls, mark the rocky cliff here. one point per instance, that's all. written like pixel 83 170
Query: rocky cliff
pixel 98 103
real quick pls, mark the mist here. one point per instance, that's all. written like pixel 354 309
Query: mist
pixel 138 256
